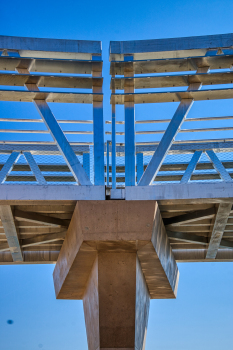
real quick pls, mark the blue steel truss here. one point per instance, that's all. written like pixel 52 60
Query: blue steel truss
pixel 50 150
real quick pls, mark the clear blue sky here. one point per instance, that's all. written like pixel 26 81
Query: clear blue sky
pixel 201 316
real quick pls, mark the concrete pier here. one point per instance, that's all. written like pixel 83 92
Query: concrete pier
pixel 116 257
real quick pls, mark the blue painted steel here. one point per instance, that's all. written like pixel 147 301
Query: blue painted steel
pixel 140 166
pixel 96 58
pixel 98 131
pixel 166 142
pixel 113 147
pixel 98 139
pixel 51 45
pixel 86 163
pixel 160 45
pixel 225 176
pixel 62 143
pixel 7 167
pixel 34 168
pixel 130 148
pixel 191 167
pixel 107 162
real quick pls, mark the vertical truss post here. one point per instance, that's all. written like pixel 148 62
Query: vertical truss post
pixel 7 167
pixel 191 167
pixel 98 130
pixel 86 163
pixel 34 168
pixel 130 149
pixel 140 166
pixel 107 162
pixel 225 176
pixel 113 139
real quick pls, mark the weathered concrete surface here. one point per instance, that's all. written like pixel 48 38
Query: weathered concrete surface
pixel 158 263
pixel 116 226
pixel 116 303
pixel 141 308
pixel 91 308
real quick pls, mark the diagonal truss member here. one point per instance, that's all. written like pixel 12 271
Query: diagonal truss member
pixel 62 143
pixel 34 168
pixel 169 135
pixel 191 167
pixel 221 219
pixel 8 224
pixel 166 142
pixel 225 176
pixel 7 167
pixel 58 136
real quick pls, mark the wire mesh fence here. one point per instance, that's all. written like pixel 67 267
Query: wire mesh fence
pixel 174 167
pixel 53 167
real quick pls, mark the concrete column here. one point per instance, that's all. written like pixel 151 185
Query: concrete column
pixel 116 302
pixel 116 256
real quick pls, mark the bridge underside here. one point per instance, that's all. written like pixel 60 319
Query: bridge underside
pixel 196 224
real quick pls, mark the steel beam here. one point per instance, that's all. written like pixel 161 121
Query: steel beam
pixel 86 163
pixel 39 218
pixel 28 192
pixel 225 176
pixel 58 135
pixel 107 162
pixel 187 237
pixel 170 133
pixel 98 140
pixel 140 166
pixel 98 132
pixel 50 96
pixel 49 45
pixel 38 240
pixel 166 81
pixel 8 166
pixel 130 147
pixel 161 65
pixel 222 215
pixel 11 232
pixel 166 142
pixel 170 96
pixel 182 193
pixel 172 44
pixel 70 66
pixel 113 141
pixel 191 238
pixel 46 238
pixel 190 217
pixel 48 148
pixel 34 168
pixel 57 81
pixel 62 143
pixel 191 167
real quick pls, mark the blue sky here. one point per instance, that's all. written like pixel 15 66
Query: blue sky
pixel 201 316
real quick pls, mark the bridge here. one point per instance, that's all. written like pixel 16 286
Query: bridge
pixel 115 201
